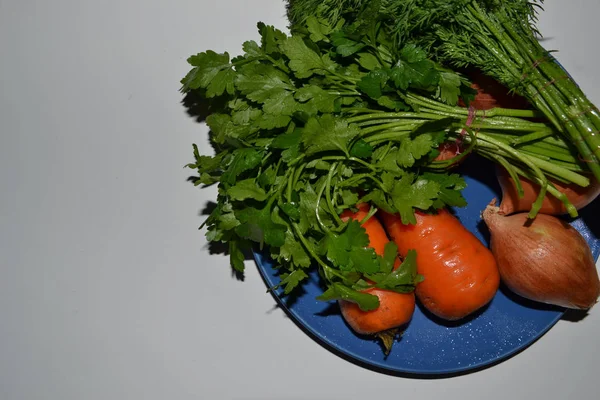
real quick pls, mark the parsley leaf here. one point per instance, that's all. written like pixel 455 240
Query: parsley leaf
pixel 305 61
pixel 344 45
pixel 327 133
pixel 361 149
pixel 242 160
pixel 349 250
pixel 368 61
pixel 260 82
pixel 257 225
pixel 289 281
pixel 414 69
pixel 338 291
pixel 449 88
pixel 307 126
pixel 293 251
pixel 270 38
pixel 406 196
pixel 318 29
pixel 212 72
pixel 373 83
pixel 412 149
pixel 401 280
pixel 247 189
pixel 316 99
pixel 236 256
pixel 451 187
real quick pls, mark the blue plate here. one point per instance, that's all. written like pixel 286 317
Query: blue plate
pixel 430 347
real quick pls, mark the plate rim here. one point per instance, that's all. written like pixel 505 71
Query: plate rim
pixel 376 366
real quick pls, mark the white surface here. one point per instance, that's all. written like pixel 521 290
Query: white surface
pixel 107 290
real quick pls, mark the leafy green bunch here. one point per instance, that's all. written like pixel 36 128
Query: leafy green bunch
pixel 289 159
pixel 498 37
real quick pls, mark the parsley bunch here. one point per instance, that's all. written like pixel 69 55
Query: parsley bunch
pixel 309 125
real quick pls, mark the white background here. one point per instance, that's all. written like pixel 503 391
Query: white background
pixel 107 288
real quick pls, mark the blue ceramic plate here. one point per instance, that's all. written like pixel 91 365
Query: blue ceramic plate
pixel 429 346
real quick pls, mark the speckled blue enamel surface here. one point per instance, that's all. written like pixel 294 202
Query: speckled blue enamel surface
pixel 430 347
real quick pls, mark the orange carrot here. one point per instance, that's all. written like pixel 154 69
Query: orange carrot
pixel 491 93
pixel 512 203
pixel 461 274
pixel 395 309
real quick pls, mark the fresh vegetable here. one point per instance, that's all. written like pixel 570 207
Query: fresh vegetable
pixel 545 260
pixel 492 94
pixel 292 127
pixel 460 273
pixel 498 37
pixel 303 127
pixel 511 202
pixel 395 309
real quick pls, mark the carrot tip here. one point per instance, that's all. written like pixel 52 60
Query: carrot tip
pixel 387 339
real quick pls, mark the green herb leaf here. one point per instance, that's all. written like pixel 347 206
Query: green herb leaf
pixel 368 61
pixel 406 196
pixel 260 82
pixel 451 187
pixel 257 225
pixel 289 281
pixel 270 38
pixel 212 72
pixel 403 279
pixel 327 133
pixel 413 149
pixel 317 99
pixel 373 83
pixel 338 291
pixel 236 256
pixel 361 149
pixel 304 61
pixel 319 30
pixel 345 46
pixel 242 160
pixel 349 250
pixel 414 69
pixel 247 189
pixel 291 210
pixel 449 88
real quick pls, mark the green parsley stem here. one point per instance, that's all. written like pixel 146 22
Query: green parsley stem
pixel 370 214
pixel 530 137
pixel 494 112
pixel 395 135
pixel 353 159
pixel 359 177
pixel 324 228
pixel 552 190
pixel 328 194
pixel 532 164
pixel 309 248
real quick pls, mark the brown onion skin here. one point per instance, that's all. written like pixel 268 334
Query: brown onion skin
pixel 511 203
pixel 545 259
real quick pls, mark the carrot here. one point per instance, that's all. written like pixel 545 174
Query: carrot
pixel 460 273
pixel 395 309
pixel 512 203
pixel 491 93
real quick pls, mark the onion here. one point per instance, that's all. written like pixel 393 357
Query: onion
pixel 544 259
pixel 512 203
